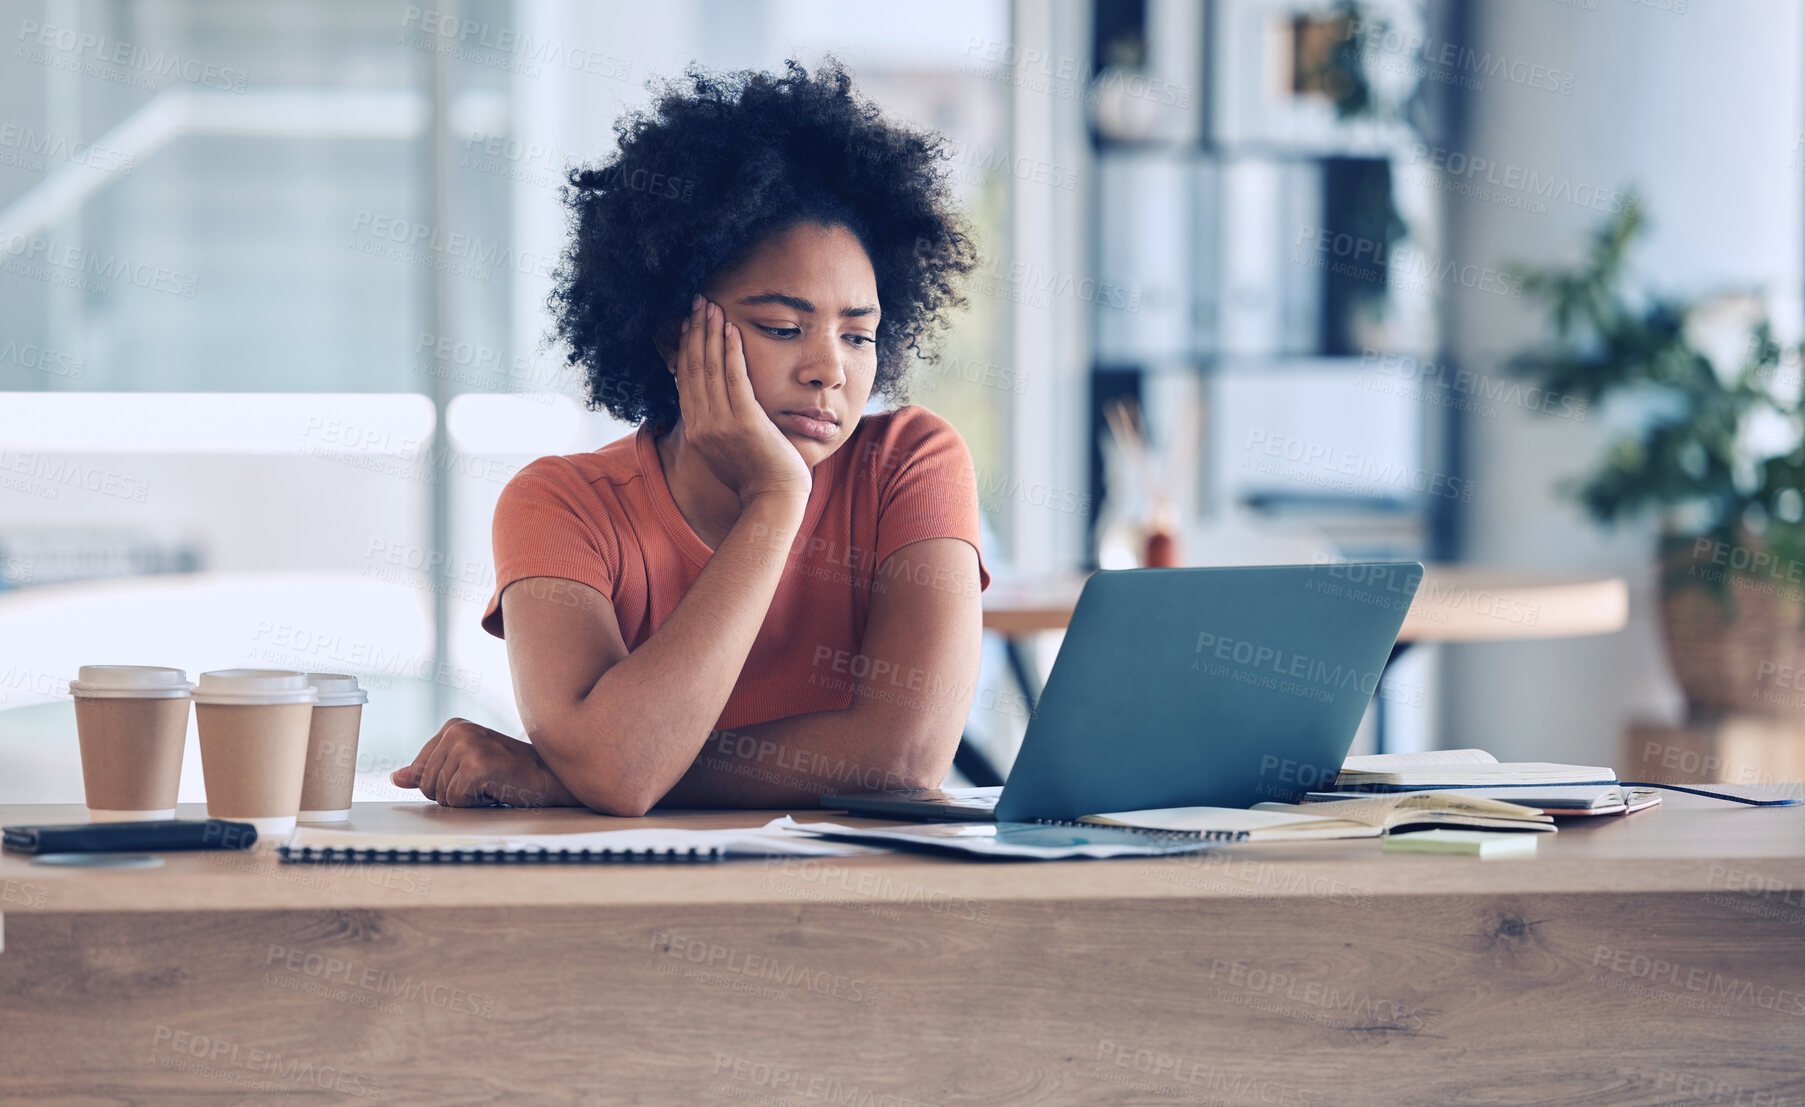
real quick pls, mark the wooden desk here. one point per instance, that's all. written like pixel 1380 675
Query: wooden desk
pixel 1626 964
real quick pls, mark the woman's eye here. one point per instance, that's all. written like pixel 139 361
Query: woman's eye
pixel 859 340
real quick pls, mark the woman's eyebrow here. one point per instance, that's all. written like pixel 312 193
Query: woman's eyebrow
pixel 801 304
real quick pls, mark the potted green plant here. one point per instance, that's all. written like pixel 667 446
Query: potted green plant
pixel 1718 459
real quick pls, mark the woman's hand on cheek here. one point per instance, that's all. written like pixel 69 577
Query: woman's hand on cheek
pixel 722 419
pixel 469 765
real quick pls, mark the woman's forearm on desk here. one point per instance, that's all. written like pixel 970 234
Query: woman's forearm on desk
pixel 918 670
pixel 620 729
pixel 793 762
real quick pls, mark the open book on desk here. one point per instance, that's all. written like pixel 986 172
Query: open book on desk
pixel 1392 772
pixel 1549 799
pixel 1364 816
pixel 1441 769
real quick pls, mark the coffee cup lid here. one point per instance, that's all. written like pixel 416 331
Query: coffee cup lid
pixel 130 682
pixel 337 689
pixel 254 686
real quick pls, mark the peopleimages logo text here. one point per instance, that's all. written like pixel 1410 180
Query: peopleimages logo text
pixel 455 244
pixel 130 56
pixel 36 252
pixel 448 28
pixel 35 147
pixel 1282 662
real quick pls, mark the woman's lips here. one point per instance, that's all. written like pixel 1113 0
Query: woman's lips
pixel 821 430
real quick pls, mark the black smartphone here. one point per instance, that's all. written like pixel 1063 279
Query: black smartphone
pixel 153 836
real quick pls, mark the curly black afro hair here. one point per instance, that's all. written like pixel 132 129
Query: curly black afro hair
pixel 710 172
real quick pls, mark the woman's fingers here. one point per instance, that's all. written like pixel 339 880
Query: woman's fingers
pixel 686 383
pixel 459 791
pixel 683 354
pixel 734 384
pixel 408 776
pixel 711 358
pixel 692 382
pixel 431 774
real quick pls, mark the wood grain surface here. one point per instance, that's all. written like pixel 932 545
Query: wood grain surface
pixel 1684 844
pixel 1252 975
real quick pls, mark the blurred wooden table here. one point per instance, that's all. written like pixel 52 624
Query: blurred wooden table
pixel 1632 961
pixel 1454 603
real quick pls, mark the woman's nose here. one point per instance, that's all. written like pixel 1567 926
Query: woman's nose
pixel 823 368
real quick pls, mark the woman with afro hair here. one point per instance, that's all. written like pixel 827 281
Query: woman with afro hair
pixel 765 593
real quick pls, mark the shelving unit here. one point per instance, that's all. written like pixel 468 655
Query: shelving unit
pixel 1276 258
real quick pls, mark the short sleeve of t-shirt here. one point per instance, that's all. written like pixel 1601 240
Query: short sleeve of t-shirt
pixel 926 484
pixel 547 524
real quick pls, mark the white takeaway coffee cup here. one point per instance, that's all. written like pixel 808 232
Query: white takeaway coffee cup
pixel 131 722
pixel 332 748
pixel 253 725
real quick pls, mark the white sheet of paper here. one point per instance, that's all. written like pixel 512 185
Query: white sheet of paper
pixel 1060 842
pixel 1391 762
pixel 758 841
pixel 1211 818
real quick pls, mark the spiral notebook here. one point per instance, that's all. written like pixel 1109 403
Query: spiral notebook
pixel 651 844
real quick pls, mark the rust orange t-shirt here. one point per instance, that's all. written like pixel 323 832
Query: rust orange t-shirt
pixel 607 519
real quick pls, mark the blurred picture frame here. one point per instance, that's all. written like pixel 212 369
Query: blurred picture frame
pixel 1312 77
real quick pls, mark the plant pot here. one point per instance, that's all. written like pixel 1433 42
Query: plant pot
pixel 1735 636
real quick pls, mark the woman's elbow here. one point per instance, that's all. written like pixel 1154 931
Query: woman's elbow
pixel 924 762
pixel 603 789
pixel 623 807
pixel 620 801
pixel 614 796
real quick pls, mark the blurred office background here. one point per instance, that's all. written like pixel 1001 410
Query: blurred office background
pixel 272 281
